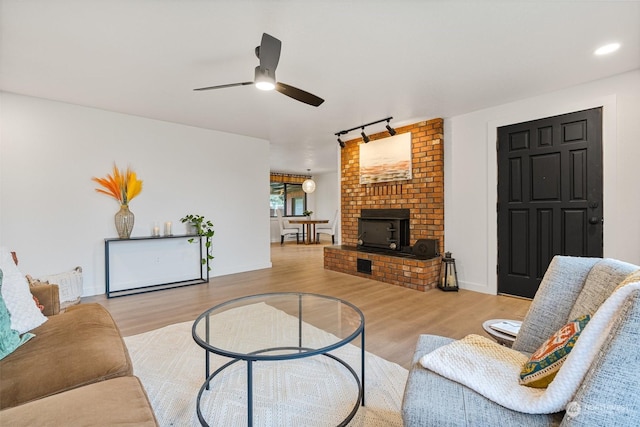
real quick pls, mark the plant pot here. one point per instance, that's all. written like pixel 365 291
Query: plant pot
pixel 191 229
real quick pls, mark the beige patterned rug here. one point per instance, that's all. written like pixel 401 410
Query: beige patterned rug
pixel 313 391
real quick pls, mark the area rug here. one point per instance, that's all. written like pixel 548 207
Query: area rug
pixel 313 391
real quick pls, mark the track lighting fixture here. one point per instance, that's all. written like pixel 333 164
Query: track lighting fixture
pixel 365 138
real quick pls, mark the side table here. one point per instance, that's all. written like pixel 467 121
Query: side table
pixel 501 337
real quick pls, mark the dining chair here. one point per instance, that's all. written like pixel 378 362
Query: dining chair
pixel 284 230
pixel 329 228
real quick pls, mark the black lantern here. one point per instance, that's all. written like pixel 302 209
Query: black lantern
pixel 448 273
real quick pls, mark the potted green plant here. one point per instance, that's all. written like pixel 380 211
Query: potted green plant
pixel 307 213
pixel 203 228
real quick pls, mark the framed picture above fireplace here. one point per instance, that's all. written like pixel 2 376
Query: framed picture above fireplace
pixel 387 159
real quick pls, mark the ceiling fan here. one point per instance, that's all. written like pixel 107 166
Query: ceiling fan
pixel 265 75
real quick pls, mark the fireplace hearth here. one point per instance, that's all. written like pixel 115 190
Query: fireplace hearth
pixel 384 229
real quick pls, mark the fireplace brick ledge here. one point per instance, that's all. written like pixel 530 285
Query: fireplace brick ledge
pixel 396 269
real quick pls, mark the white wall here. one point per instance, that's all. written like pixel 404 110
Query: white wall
pixel 51 215
pixel 471 173
pixel 327 198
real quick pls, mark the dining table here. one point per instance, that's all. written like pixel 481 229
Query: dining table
pixel 311 238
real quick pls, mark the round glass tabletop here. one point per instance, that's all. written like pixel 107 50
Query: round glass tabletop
pixel 278 326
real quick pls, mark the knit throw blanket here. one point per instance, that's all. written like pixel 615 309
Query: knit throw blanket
pixel 493 370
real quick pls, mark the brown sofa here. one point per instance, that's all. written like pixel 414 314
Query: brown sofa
pixel 75 371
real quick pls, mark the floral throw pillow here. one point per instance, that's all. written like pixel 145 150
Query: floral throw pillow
pixel 544 364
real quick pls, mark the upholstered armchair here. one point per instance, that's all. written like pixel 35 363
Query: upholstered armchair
pixel 606 392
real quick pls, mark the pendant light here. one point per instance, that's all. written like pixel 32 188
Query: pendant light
pixel 309 185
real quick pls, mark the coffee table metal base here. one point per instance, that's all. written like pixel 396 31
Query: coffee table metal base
pixel 205 386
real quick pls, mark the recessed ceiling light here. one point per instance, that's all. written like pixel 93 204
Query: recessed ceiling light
pixel 606 49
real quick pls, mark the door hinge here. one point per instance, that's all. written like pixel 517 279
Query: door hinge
pixel 497 206
pixel 497 269
pixel 497 144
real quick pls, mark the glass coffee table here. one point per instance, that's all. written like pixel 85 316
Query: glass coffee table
pixel 278 328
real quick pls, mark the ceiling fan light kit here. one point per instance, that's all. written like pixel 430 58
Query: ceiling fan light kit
pixel 265 74
pixel 365 138
pixel 263 80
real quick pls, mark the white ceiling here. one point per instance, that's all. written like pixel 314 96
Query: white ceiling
pixel 412 60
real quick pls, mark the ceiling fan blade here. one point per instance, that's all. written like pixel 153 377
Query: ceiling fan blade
pixel 269 53
pixel 299 94
pixel 223 86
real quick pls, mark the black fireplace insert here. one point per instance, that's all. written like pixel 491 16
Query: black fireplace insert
pixel 384 229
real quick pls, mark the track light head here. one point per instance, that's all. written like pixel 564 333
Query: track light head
pixel 341 142
pixel 365 138
pixel 391 130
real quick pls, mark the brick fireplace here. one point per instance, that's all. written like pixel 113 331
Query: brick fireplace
pixel 423 196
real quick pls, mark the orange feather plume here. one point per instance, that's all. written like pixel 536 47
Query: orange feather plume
pixel 122 186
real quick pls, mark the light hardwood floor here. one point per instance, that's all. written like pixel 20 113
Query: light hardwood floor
pixel 394 316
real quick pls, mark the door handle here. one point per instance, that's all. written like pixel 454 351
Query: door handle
pixel 594 220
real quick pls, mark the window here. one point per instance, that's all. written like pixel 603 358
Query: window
pixel 288 197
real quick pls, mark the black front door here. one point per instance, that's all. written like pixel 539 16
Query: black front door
pixel 549 196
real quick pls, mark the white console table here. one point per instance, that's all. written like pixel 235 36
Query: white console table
pixel 155 256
